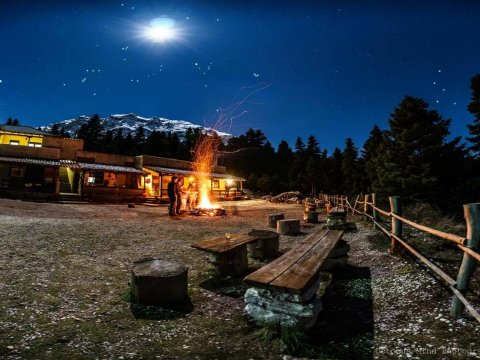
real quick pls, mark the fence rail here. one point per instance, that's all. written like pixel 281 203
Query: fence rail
pixel 469 244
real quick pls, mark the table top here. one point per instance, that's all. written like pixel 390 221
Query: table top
pixel 223 244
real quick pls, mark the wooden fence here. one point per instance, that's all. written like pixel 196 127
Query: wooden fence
pixel 469 244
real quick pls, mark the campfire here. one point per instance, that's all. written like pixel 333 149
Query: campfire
pixel 204 161
pixel 218 211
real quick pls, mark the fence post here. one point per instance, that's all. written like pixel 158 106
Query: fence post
pixel 374 212
pixel 365 206
pixel 355 205
pixel 395 208
pixel 472 218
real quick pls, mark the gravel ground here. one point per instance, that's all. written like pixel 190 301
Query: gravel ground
pixel 64 290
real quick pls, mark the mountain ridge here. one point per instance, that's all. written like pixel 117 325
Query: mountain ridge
pixel 129 123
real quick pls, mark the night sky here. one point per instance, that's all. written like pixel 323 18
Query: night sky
pixel 326 68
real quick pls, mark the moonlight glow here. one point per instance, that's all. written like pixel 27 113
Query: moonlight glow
pixel 161 30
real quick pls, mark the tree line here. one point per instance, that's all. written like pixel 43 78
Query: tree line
pixel 414 157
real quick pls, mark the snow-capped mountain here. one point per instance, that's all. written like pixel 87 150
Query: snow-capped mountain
pixel 129 123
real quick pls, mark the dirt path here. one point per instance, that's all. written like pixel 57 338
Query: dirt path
pixel 65 271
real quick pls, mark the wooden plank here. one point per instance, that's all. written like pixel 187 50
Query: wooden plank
pixel 302 273
pixel 455 238
pixel 265 275
pixel 222 244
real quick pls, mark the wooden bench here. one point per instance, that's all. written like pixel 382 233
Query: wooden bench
pixel 230 254
pixel 337 219
pixel 284 290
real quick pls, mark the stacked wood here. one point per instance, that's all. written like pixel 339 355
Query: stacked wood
pixel 273 218
pixel 159 282
pixel 267 245
pixel 288 226
pixel 285 196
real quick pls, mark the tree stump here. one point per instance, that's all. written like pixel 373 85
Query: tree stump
pixel 159 282
pixel 273 218
pixel 310 217
pixel 267 245
pixel 288 226
pixel 231 263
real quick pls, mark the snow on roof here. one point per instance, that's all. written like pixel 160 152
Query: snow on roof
pixel 111 168
pixel 28 161
pixel 172 171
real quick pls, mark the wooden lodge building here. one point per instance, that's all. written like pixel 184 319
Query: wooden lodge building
pixel 37 164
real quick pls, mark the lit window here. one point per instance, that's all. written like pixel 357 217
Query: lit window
pixel 33 144
pixel 14 142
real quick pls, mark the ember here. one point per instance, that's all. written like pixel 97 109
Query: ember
pixel 215 211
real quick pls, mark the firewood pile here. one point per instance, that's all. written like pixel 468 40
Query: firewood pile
pixel 289 196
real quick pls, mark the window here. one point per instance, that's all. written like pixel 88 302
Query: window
pixel 14 142
pixel 34 144
pixel 215 184
pixel 17 171
pixel 95 178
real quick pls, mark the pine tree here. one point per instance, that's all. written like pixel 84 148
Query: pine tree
pixel 284 156
pixel 12 121
pixel 55 130
pixel 474 108
pixel 349 167
pixel 92 133
pixel 410 160
pixel 370 153
pixel 313 148
pixel 334 171
pixel 299 146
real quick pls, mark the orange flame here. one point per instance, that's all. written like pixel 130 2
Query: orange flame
pixel 205 158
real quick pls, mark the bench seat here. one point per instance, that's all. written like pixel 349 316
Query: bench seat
pixel 295 270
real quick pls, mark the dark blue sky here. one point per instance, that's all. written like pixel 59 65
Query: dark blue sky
pixel 326 68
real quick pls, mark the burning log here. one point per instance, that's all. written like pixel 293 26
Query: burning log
pixel 212 211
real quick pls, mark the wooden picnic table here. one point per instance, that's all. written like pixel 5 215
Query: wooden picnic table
pixel 230 253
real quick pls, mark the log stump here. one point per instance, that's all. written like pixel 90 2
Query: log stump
pixel 288 226
pixel 310 217
pixel 267 245
pixel 159 282
pixel 273 218
pixel 231 263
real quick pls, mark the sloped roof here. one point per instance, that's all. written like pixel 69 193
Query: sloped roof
pixel 110 168
pixel 172 171
pixel 24 130
pixel 28 161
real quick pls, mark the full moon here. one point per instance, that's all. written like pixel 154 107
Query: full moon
pixel 161 29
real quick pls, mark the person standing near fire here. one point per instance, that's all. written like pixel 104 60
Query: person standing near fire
pixel 172 196
pixel 192 196
pixel 179 192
